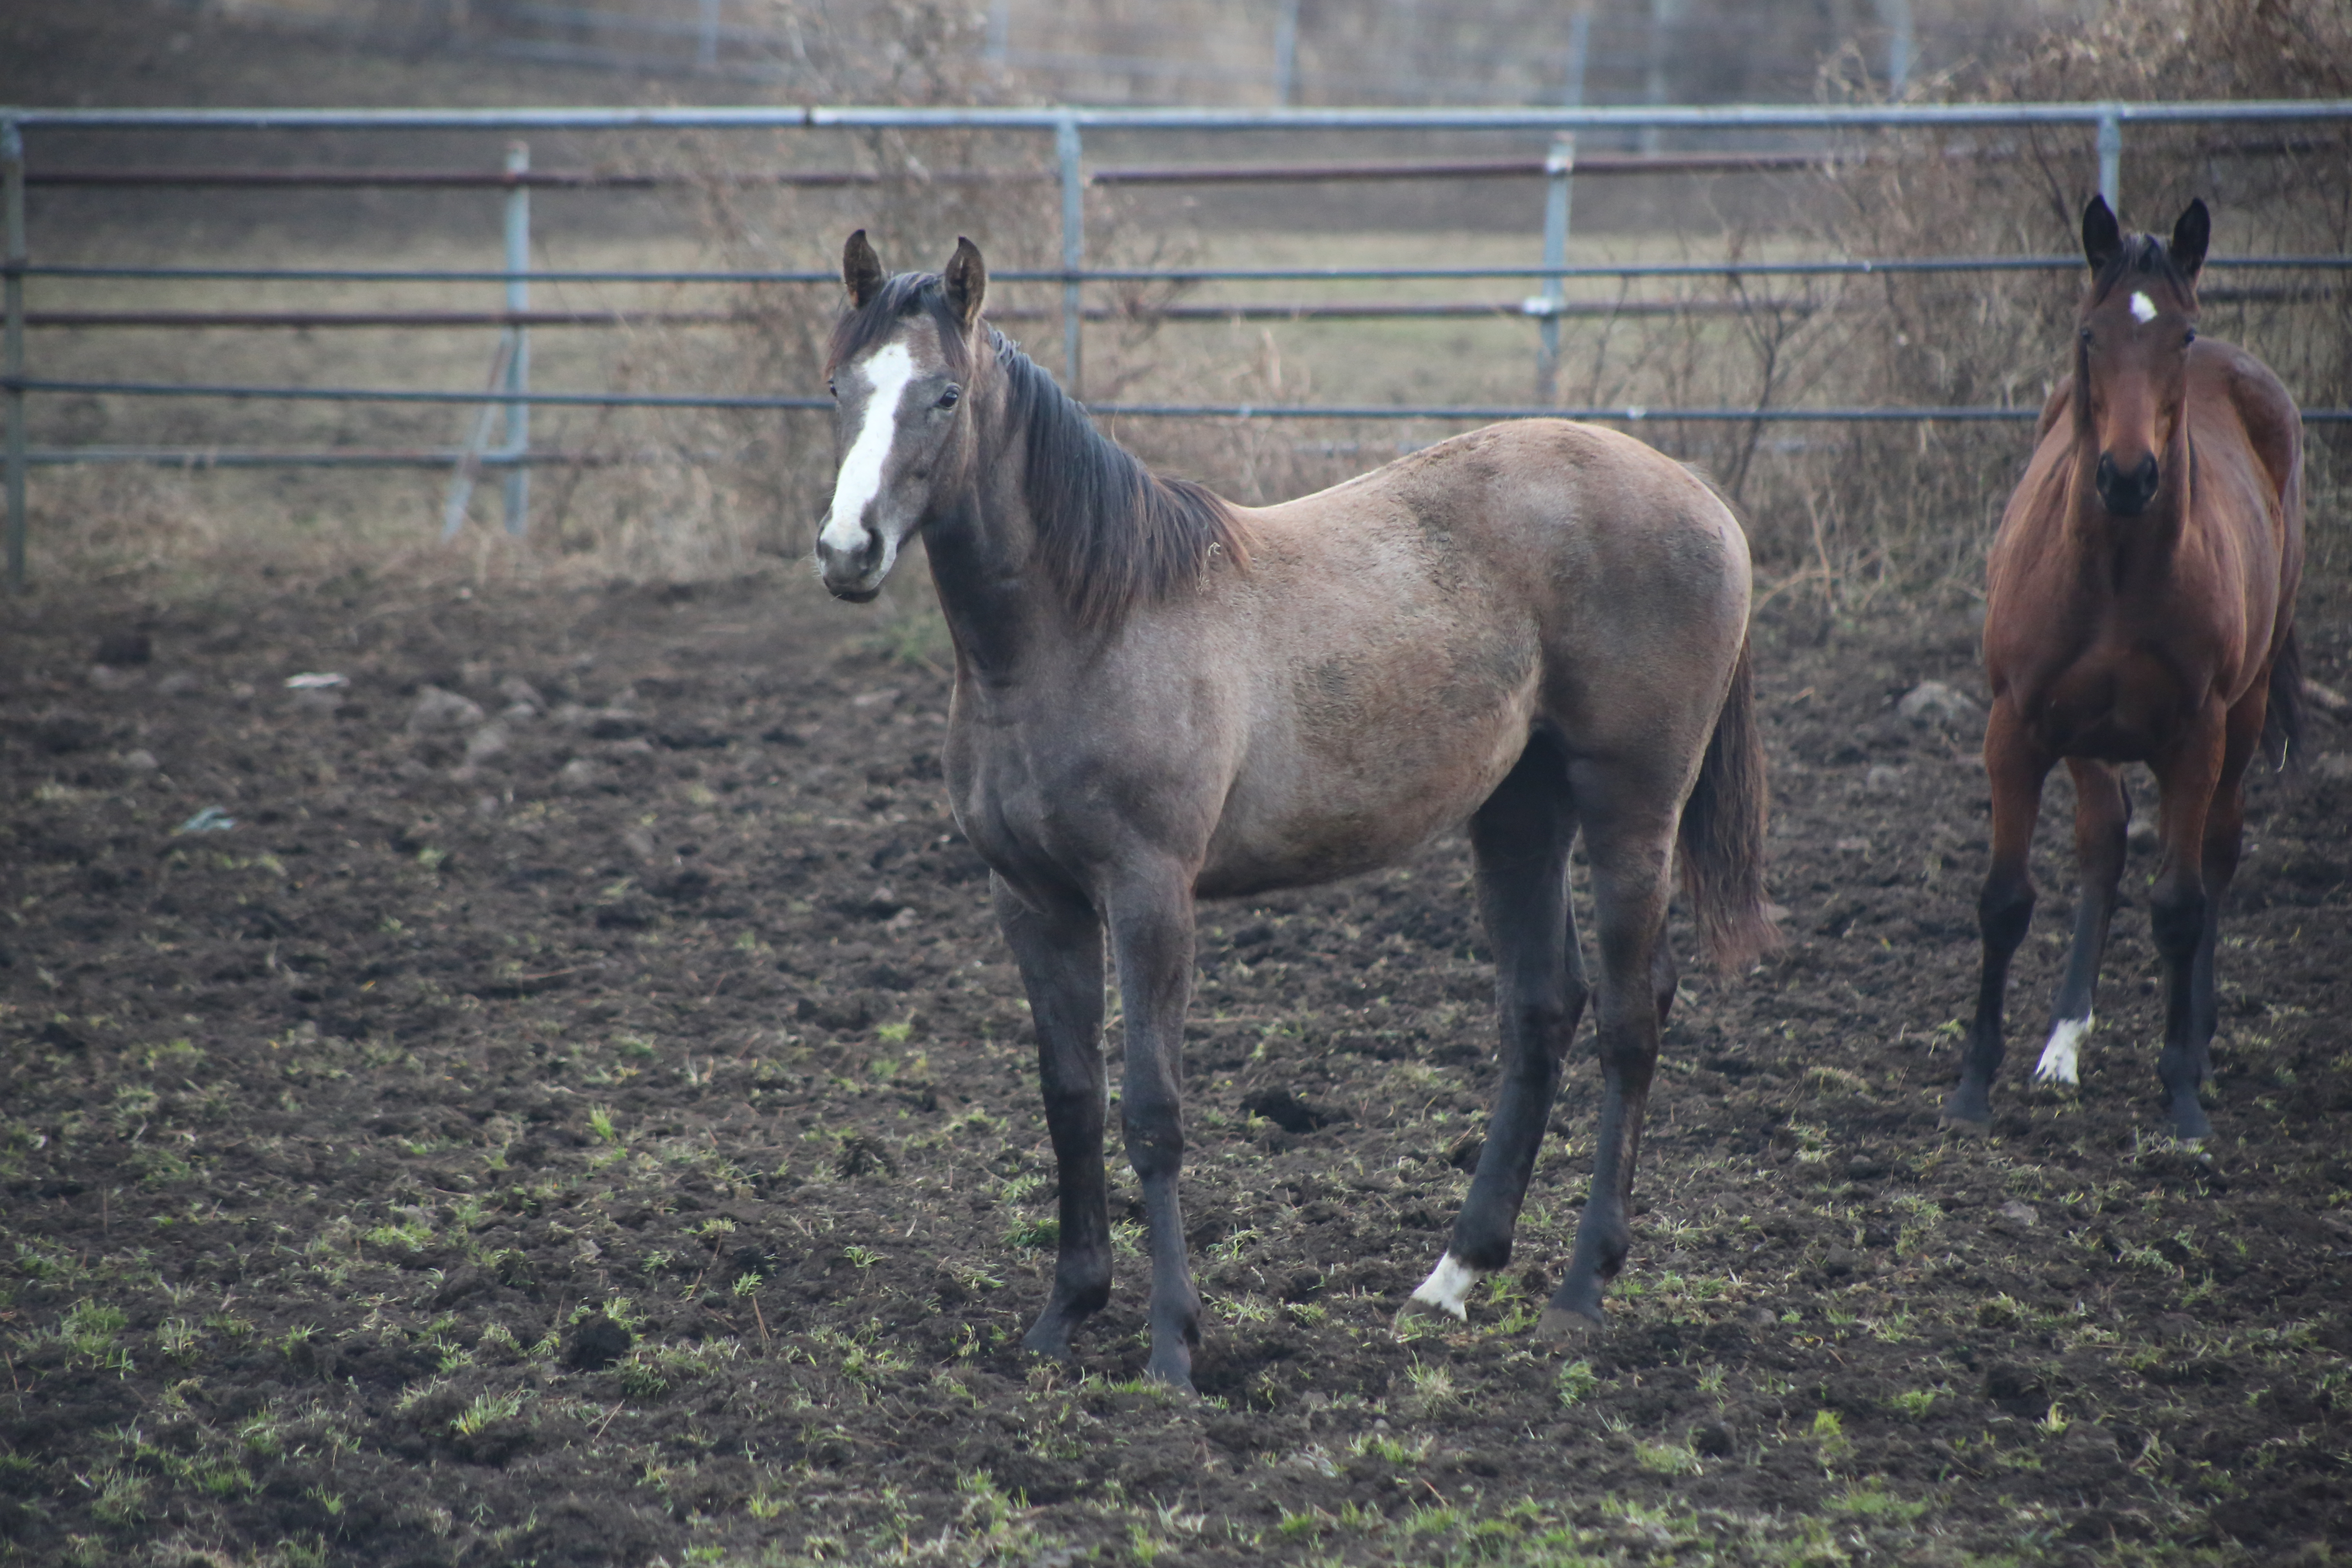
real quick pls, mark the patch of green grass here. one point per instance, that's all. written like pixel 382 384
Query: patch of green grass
pixel 1869 1499
pixel 486 1410
pixel 117 1497
pixel 1576 1382
pixel 1666 1459
pixel 1038 1233
pixel 1389 1449
pixel 90 1330
pixel 1914 1402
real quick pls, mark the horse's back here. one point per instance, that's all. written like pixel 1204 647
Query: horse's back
pixel 1624 574
pixel 1396 639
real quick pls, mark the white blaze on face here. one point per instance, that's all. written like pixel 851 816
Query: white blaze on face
pixel 886 374
pixel 2058 1057
pixel 1448 1287
pixel 2143 308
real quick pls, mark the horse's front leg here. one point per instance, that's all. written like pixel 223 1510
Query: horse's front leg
pixel 1521 838
pixel 1059 949
pixel 1631 847
pixel 2180 910
pixel 1150 914
pixel 2014 767
pixel 2225 832
pixel 2102 820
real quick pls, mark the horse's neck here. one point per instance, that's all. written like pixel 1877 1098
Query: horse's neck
pixel 2124 557
pixel 1000 603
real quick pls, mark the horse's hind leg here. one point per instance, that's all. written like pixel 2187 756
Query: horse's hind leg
pixel 1629 841
pixel 2182 907
pixel 2225 827
pixel 1521 838
pixel 1059 950
pixel 2102 819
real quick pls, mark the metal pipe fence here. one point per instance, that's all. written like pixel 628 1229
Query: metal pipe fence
pixel 509 397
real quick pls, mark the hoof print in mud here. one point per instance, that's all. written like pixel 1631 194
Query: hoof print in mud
pixel 596 1343
pixel 1289 1112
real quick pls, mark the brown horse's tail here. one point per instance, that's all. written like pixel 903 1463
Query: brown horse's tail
pixel 1723 833
pixel 2283 722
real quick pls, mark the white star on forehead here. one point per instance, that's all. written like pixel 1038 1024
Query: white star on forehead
pixel 2143 308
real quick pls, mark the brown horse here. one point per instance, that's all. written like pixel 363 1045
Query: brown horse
pixel 2141 609
pixel 1161 697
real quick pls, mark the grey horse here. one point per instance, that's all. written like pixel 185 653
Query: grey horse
pixel 1159 697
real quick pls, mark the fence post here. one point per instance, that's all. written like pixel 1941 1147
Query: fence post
pixel 1560 168
pixel 12 358
pixel 2110 156
pixel 1074 247
pixel 1285 52
pixel 518 429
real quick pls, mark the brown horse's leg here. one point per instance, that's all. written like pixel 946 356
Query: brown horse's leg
pixel 2102 818
pixel 2225 824
pixel 1059 950
pixel 1150 917
pixel 1521 837
pixel 1631 847
pixel 2015 768
pixel 2178 906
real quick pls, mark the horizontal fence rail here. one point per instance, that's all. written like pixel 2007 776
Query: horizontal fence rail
pixel 193 177
pixel 511 396
pixel 1715 118
pixel 1181 274
pixel 1629 412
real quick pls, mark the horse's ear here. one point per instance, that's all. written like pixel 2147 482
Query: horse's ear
pixel 967 282
pixel 861 269
pixel 2189 237
pixel 2101 235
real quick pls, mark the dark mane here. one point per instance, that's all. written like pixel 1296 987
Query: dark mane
pixel 2141 255
pixel 1112 531
pixel 908 294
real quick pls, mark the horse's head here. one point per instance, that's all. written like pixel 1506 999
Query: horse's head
pixel 898 368
pixel 2131 355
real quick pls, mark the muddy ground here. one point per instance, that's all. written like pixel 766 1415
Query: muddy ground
pixel 588 1118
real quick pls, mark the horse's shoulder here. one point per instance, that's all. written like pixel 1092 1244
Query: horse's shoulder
pixel 2264 408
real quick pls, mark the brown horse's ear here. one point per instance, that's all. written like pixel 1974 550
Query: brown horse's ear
pixel 967 282
pixel 2101 235
pixel 2189 237
pixel 861 269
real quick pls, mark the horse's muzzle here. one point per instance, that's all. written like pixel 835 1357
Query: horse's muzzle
pixel 854 573
pixel 2127 492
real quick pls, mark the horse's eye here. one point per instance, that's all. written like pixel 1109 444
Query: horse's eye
pixel 2191 338
pixel 832 391
pixel 948 399
pixel 2087 334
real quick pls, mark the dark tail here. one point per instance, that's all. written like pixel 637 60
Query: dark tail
pixel 2283 724
pixel 1723 833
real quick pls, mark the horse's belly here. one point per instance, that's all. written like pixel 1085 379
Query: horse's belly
pixel 1318 826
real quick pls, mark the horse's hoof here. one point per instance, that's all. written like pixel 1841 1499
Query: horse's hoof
pixel 1176 1380
pixel 1051 1341
pixel 1416 1312
pixel 1560 1326
pixel 2190 1123
pixel 1965 1126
